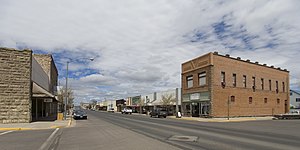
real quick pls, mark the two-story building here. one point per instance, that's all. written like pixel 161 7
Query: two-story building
pixel 27 86
pixel 215 85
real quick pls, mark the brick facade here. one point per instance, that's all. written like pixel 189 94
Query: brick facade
pixel 264 101
pixel 15 85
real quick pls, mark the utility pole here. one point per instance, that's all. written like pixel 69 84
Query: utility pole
pixel 66 90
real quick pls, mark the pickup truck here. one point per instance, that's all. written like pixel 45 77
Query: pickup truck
pixel 126 111
pixel 159 112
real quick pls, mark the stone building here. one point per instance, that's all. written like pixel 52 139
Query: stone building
pixel 27 86
pixel 214 85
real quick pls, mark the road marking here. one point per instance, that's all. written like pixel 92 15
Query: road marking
pixel 48 140
pixel 6 132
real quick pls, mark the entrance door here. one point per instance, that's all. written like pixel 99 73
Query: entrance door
pixel 195 109
pixel 286 109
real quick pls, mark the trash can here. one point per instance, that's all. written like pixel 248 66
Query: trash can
pixel 60 116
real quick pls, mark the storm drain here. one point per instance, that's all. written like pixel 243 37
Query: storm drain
pixel 183 138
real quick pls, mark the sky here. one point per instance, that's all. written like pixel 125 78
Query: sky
pixel 138 46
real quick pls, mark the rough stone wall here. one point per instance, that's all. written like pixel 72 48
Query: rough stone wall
pixel 15 85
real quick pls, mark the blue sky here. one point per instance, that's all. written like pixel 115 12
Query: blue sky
pixel 139 45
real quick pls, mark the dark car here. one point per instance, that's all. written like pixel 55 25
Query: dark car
pixel 80 114
pixel 159 112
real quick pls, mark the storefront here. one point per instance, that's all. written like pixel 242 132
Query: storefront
pixel 196 104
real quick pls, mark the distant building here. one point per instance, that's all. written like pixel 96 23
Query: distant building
pixel 214 85
pixel 295 99
pixel 27 86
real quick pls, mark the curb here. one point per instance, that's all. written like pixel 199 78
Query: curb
pixel 195 119
pixel 15 129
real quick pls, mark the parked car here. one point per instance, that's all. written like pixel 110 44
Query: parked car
pixel 126 111
pixel 111 110
pixel 159 112
pixel 79 114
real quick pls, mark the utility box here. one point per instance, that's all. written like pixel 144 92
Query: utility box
pixel 60 116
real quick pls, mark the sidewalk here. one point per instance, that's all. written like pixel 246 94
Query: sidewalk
pixel 39 125
pixel 234 119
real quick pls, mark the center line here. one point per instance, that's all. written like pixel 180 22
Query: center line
pixel 5 132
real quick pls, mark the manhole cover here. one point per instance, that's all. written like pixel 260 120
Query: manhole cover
pixel 183 138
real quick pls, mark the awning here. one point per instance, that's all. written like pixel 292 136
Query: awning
pixel 38 91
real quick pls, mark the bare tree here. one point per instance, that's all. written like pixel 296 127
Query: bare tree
pixel 141 103
pixel 167 100
pixel 61 97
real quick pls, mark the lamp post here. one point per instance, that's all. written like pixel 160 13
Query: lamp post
pixel 67 94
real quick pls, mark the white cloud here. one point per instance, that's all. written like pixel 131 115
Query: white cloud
pixel 141 44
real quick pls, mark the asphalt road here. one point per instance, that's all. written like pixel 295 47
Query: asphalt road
pixel 23 140
pixel 272 134
pixel 103 130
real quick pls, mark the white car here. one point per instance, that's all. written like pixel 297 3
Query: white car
pixel 126 111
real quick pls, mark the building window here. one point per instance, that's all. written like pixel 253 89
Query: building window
pixel 266 100
pixel 291 94
pixel 262 83
pixel 250 100
pixel 223 79
pixel 270 85
pixel 232 99
pixel 244 81
pixel 234 80
pixel 202 78
pixel 189 80
pixel 277 87
pixel 283 87
pixel 297 99
pixel 278 101
pixel 253 84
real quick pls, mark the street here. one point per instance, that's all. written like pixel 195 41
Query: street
pixel 103 130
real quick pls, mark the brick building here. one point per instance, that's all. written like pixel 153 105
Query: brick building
pixel 27 86
pixel 214 85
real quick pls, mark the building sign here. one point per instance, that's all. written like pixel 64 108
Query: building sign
pixel 48 100
pixel 135 100
pixel 195 96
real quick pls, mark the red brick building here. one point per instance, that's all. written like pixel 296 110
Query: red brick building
pixel 214 85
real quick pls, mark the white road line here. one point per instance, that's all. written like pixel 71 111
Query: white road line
pixel 6 132
pixel 48 140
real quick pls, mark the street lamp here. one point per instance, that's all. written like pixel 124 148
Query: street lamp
pixel 66 94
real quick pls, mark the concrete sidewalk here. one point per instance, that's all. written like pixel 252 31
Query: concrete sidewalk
pixel 39 125
pixel 234 119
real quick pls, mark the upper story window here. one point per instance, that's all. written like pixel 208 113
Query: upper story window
pixel 253 84
pixel 278 101
pixel 223 79
pixel 189 81
pixel 270 85
pixel 244 81
pixel 297 99
pixel 234 80
pixel 202 78
pixel 283 87
pixel 266 100
pixel 277 87
pixel 262 83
